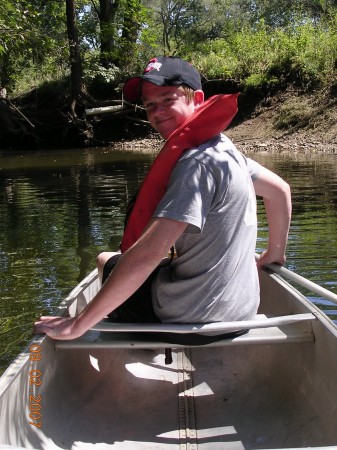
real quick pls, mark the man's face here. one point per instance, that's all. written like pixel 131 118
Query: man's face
pixel 167 107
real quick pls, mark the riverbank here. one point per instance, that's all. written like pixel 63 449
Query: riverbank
pixel 289 121
pixel 248 137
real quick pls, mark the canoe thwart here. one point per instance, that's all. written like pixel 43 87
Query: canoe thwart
pixel 260 321
pixel 132 336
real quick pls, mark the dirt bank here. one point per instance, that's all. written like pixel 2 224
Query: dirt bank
pixel 289 121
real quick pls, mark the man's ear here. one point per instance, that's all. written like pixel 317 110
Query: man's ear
pixel 198 97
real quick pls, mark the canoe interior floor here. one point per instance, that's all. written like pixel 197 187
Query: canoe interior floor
pixel 236 398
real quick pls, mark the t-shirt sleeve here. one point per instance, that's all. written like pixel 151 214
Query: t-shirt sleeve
pixel 189 195
pixel 253 168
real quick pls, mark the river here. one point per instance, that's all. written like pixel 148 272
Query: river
pixel 60 208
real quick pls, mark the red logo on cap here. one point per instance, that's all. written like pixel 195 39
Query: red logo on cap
pixel 153 64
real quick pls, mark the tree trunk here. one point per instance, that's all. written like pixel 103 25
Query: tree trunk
pixel 74 56
pixel 131 22
pixel 107 16
pixel 131 26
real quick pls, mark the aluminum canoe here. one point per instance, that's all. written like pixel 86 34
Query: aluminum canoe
pixel 271 388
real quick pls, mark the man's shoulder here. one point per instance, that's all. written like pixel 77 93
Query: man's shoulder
pixel 219 147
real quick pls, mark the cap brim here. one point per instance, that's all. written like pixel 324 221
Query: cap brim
pixel 132 91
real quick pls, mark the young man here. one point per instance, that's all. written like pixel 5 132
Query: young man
pixel 208 212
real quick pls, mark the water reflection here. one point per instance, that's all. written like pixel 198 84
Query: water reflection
pixel 312 248
pixel 60 209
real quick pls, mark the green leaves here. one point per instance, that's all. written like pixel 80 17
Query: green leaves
pixel 242 39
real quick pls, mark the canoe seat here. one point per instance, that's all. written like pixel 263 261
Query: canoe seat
pixel 262 330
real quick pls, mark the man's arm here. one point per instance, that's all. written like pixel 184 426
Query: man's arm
pixel 133 268
pixel 277 201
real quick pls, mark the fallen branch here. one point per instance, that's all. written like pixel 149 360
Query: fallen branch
pixel 16 109
pixel 103 110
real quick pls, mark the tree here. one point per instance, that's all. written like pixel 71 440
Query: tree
pixel 133 15
pixel 119 25
pixel 107 18
pixel 77 87
pixel 184 23
pixel 31 33
pixel 278 13
pixel 16 26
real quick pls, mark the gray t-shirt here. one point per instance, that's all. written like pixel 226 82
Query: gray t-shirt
pixel 214 277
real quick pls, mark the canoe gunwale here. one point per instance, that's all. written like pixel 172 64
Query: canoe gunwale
pixel 305 304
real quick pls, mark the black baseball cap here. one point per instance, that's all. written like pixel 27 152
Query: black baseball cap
pixel 163 71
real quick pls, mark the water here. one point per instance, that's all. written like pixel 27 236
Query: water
pixel 60 209
pixel 312 246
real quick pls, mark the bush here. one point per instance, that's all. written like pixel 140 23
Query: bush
pixel 261 82
pixel 303 54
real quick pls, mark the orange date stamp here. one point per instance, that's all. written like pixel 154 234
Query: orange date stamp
pixel 35 380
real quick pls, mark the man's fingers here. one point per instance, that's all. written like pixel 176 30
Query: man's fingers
pixel 48 319
pixel 40 328
pixel 46 325
pixel 56 327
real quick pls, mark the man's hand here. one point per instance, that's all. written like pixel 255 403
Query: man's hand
pixel 58 327
pixel 270 257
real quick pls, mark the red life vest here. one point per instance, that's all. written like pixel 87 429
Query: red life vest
pixel 208 120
